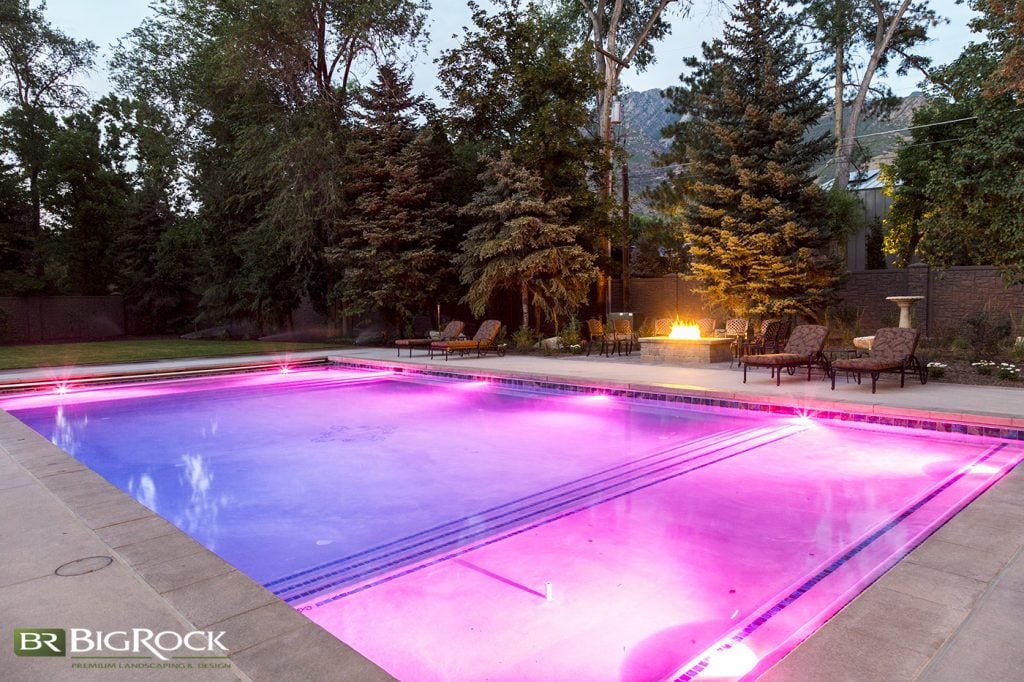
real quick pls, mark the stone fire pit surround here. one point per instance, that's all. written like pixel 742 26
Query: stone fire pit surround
pixel 686 351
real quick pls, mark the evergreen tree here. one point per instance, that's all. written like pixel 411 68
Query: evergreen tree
pixel 516 83
pixel 16 267
pixel 520 243
pixel 386 252
pixel 750 209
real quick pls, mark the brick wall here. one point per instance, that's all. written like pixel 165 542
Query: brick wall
pixel 655 297
pixel 950 296
pixel 32 319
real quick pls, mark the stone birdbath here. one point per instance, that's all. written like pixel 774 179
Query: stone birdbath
pixel 905 303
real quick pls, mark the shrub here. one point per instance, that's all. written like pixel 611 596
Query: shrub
pixel 936 370
pixel 524 338
pixel 1017 351
pixel 1008 371
pixel 571 338
pixel 984 333
pixel 983 366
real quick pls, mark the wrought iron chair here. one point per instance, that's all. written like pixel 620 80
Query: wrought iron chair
pixel 597 333
pixel 892 351
pixel 623 334
pixel 802 348
pixel 450 333
pixel 481 342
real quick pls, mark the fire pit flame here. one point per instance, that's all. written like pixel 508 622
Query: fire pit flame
pixel 684 331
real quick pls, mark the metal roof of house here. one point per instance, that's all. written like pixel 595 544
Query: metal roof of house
pixel 860 181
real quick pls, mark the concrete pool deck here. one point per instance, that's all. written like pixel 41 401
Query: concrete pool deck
pixel 951 608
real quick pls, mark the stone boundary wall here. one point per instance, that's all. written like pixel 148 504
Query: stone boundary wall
pixel 950 296
pixel 655 297
pixel 32 319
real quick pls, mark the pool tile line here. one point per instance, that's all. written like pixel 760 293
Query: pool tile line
pixel 632 466
pixel 750 628
pixel 892 417
pixel 547 521
pixel 496 525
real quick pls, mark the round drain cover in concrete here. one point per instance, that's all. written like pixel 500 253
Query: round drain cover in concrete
pixel 85 565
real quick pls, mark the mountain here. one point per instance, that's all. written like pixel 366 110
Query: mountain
pixel 646 113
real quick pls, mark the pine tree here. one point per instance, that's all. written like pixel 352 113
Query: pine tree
pixel 520 242
pixel 750 209
pixel 387 255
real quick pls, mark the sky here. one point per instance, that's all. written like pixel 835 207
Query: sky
pixel 104 21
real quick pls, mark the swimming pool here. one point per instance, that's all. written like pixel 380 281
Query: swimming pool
pixel 425 521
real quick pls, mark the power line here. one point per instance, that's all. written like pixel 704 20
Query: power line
pixel 926 125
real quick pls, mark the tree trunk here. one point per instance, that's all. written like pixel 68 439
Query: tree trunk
pixel 625 235
pixel 524 293
pixel 609 69
pixel 884 32
pixel 839 103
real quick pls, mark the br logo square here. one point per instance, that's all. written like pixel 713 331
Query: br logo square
pixel 39 642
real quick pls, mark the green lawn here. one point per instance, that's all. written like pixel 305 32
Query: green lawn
pixel 136 350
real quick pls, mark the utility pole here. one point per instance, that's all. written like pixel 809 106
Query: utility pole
pixel 625 233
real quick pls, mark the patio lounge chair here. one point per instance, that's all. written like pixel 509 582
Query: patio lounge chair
pixel 597 334
pixel 481 342
pixel 707 327
pixel 892 351
pixel 803 348
pixel 449 333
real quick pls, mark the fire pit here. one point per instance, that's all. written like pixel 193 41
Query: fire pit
pixel 685 345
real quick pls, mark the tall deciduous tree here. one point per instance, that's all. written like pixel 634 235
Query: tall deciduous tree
pixel 887 32
pixel 618 34
pixel 957 185
pixel 260 94
pixel 38 66
pixel 749 206
pixel 387 247
pixel 520 243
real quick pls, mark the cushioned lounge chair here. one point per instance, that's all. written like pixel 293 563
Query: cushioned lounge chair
pixel 481 342
pixel 449 333
pixel 892 351
pixel 803 348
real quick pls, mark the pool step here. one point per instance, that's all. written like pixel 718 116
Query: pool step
pixel 526 512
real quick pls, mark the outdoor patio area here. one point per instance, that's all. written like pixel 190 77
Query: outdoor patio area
pixel 957 595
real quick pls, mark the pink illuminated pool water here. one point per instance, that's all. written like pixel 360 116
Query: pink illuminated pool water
pixel 468 531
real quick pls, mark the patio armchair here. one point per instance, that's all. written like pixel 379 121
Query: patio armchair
pixel 892 351
pixel 481 342
pixel 736 329
pixel 765 339
pixel 707 327
pixel 596 333
pixel 802 348
pixel 449 333
pixel 623 334
pixel 663 326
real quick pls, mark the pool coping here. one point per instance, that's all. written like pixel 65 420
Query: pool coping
pixel 280 641
pixel 992 426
